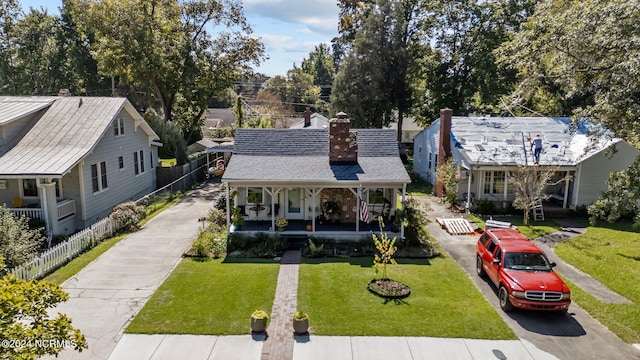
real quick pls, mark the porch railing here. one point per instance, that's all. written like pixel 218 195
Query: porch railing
pixel 65 208
pixel 33 213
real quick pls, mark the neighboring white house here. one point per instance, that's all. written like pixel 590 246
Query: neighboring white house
pixel 69 160
pixel 485 148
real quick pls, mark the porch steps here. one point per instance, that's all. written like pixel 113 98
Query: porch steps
pixel 538 211
pixel 456 226
pixel 296 241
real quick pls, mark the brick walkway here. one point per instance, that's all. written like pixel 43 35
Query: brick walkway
pixel 279 344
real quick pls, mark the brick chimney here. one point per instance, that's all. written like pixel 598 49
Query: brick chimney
pixel 307 117
pixel 444 151
pixel 343 145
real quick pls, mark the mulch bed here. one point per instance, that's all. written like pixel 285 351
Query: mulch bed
pixel 389 289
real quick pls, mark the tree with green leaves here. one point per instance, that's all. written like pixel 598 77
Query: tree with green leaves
pixel 386 247
pixel 621 199
pixel 27 329
pixel 320 65
pixel 584 54
pixel 374 79
pixel 295 91
pixel 18 243
pixel 166 49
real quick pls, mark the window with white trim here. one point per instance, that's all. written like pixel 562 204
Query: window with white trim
pixel 99 176
pixel 494 183
pixel 29 188
pixel 118 127
pixel 138 162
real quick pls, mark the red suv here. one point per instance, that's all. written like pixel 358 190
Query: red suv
pixel 521 272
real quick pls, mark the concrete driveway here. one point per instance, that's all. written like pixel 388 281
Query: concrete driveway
pixel 108 292
pixel 575 335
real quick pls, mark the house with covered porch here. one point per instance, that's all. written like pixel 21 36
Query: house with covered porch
pixel 318 179
pixel 69 160
pixel 486 149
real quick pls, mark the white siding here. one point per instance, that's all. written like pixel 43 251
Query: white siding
pixel 123 185
pixel 595 171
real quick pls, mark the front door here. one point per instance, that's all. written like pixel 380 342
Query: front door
pixel 294 206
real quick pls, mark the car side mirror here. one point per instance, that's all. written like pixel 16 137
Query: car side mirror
pixel 553 264
pixel 496 261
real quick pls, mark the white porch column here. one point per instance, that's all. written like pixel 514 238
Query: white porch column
pixel 47 194
pixel 566 190
pixel 468 201
pixel 313 192
pixel 404 194
pixel 226 195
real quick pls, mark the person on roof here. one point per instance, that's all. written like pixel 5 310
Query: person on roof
pixel 536 147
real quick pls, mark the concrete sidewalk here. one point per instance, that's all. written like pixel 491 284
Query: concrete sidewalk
pixel 244 347
pixel 108 292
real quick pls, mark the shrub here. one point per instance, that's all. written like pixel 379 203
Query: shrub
pixel 220 202
pixel 128 214
pixel 313 251
pixel 218 217
pixel 485 207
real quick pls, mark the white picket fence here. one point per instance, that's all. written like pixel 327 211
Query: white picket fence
pixel 60 254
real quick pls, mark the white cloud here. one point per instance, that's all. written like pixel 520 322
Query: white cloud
pixel 320 16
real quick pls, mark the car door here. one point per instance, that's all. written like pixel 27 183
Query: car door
pixel 494 266
pixel 492 250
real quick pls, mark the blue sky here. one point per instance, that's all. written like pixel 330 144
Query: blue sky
pixel 289 29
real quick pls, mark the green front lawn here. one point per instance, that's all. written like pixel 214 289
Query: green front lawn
pixel 611 254
pixel 209 297
pixel 443 302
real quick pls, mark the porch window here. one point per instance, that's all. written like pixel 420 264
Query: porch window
pixel 494 183
pixel 254 195
pixel 29 188
pixel 99 176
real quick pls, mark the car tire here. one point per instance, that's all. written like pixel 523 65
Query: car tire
pixel 479 269
pixel 503 296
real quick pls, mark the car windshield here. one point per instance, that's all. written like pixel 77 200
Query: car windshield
pixel 526 261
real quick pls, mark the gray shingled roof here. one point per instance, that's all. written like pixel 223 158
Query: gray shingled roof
pixel 302 155
pixel 66 133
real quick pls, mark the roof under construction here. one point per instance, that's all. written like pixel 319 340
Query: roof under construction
pixel 507 140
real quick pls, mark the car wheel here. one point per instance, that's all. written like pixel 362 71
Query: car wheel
pixel 479 269
pixel 503 295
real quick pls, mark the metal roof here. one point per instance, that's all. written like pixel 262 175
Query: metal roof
pixel 302 155
pixel 66 133
pixel 506 140
pixel 16 107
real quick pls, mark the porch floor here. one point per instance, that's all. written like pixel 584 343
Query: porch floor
pixel 299 227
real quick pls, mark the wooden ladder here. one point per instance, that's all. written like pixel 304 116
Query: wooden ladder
pixel 538 211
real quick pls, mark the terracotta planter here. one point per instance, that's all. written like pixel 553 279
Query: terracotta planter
pixel 301 326
pixel 309 227
pixel 258 325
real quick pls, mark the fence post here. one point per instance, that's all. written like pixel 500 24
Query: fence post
pixel 41 264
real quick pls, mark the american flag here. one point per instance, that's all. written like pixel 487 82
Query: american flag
pixel 364 209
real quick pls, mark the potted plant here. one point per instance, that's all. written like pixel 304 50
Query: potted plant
pixel 253 198
pixel 300 322
pixel 237 219
pixel 259 321
pixel 281 223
